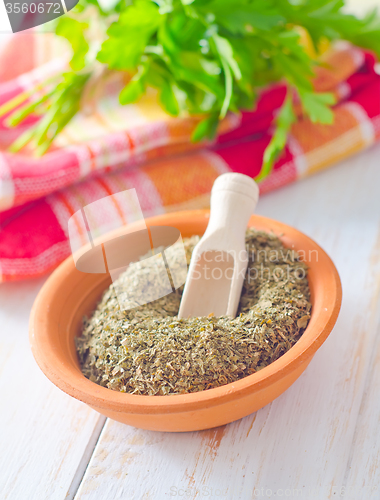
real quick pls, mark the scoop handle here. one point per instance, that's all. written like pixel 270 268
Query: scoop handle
pixel 233 200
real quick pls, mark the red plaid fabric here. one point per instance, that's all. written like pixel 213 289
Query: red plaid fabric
pixel 138 146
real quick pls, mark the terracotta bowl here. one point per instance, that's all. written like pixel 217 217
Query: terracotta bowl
pixel 69 294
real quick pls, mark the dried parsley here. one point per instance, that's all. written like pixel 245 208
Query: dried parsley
pixel 148 350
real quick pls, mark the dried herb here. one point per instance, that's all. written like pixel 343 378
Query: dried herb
pixel 148 350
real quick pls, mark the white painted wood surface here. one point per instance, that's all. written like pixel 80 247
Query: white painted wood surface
pixel 46 437
pixel 318 440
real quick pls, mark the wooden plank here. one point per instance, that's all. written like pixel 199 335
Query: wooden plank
pixel 46 436
pixel 363 467
pixel 301 444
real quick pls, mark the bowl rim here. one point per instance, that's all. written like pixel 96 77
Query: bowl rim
pixel 74 383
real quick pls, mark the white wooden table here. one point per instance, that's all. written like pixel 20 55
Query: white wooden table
pixel 319 440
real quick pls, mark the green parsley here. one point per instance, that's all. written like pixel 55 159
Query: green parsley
pixel 205 57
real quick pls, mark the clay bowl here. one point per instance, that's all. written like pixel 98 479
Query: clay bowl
pixel 69 294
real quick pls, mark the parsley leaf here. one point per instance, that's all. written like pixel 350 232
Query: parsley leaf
pixel 284 121
pixel 74 31
pixel 205 58
pixel 317 106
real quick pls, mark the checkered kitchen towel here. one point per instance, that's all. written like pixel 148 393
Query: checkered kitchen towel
pixel 138 146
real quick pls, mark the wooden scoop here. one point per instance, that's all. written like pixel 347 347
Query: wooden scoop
pixel 219 261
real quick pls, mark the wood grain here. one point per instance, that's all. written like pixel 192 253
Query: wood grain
pixel 46 437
